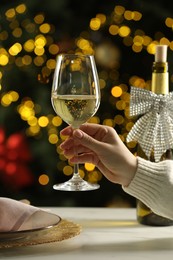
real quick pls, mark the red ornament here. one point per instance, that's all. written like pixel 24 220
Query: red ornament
pixel 14 159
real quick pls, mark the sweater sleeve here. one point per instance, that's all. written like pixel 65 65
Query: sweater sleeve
pixel 153 185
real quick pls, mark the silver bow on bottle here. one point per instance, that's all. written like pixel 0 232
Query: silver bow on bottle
pixel 153 130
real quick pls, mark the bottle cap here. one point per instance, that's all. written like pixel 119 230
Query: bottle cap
pixel 161 53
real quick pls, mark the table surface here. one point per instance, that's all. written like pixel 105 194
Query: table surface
pixel 107 233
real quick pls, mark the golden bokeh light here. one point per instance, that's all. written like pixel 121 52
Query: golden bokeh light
pixel 39 18
pixel 20 9
pixel 109 122
pixel 95 24
pixel 29 45
pixel 89 166
pixel 101 17
pixel 43 179
pixel 51 63
pixel 43 121
pixel 17 32
pixel 15 49
pixel 4 59
pixel 56 121
pixel 120 104
pixel 53 49
pixel 169 22
pixel 136 48
pixel 32 121
pixel 94 176
pixel 33 130
pixel 116 91
pixel 131 145
pixel 129 126
pixel 124 31
pixel 10 13
pixel 114 29
pixel 68 170
pixel 119 119
pixel 45 28
pixel 53 138
pixel 34 48
pixel 119 10
pixel 94 120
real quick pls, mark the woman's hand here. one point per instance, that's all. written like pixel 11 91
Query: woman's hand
pixel 101 146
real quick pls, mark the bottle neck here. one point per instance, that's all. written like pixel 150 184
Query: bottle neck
pixel 160 78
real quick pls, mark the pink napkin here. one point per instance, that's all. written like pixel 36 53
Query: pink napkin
pixel 16 215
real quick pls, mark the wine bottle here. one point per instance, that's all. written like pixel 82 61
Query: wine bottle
pixel 159 85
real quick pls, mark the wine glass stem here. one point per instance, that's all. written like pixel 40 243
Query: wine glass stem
pixel 76 166
pixel 76 176
pixel 76 169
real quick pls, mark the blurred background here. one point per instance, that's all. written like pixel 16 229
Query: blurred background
pixel 122 35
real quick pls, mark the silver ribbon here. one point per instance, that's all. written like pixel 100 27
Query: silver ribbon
pixel 154 130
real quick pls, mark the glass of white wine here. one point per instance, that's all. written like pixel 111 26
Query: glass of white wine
pixel 75 98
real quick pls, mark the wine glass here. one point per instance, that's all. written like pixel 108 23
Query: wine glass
pixel 75 98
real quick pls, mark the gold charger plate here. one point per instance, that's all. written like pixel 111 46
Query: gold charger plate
pixel 63 230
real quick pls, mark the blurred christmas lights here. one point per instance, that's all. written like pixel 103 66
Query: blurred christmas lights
pixel 34 47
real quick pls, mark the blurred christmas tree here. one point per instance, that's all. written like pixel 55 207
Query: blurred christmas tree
pixel 27 59
pixel 30 160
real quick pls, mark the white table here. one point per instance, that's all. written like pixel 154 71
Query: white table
pixel 108 233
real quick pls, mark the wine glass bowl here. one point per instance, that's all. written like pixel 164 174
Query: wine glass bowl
pixel 75 98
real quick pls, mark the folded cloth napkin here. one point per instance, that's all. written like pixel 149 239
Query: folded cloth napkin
pixel 17 216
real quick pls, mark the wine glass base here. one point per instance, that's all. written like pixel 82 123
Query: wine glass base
pixel 76 184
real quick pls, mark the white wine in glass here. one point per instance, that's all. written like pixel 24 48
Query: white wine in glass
pixel 75 98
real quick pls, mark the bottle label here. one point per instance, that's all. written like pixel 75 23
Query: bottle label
pixel 160 83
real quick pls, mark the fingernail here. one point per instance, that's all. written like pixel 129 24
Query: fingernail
pixel 78 134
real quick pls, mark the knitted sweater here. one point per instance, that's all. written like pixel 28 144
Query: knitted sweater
pixel 153 185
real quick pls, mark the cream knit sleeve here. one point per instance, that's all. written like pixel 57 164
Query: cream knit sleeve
pixel 153 185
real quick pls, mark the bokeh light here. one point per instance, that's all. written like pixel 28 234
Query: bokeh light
pixel 30 45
